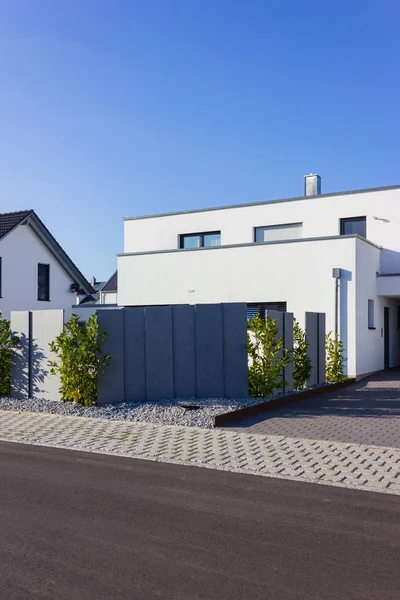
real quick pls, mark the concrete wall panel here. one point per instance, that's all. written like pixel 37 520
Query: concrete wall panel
pixel 135 355
pixel 111 384
pixel 209 350
pixel 235 350
pixel 20 371
pixel 46 325
pixel 279 318
pixel 288 341
pixel 184 350
pixel 312 340
pixel 321 348
pixel 159 361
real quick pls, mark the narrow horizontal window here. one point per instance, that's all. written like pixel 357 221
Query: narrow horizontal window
pixel 200 240
pixel 371 314
pixel 354 226
pixel 272 233
pixel 43 282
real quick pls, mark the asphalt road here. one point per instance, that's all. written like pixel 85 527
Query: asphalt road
pixel 79 526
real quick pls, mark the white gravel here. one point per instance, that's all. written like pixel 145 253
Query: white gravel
pixel 160 412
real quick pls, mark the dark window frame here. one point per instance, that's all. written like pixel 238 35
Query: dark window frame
pixel 260 308
pixel 352 219
pixel 371 313
pixel 200 235
pixel 46 283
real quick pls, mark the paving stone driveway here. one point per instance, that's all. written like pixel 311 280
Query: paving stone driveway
pixel 331 463
pixel 367 412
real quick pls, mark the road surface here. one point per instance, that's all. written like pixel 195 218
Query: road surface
pixel 81 526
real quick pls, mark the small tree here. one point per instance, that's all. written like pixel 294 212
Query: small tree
pixel 302 366
pixel 267 357
pixel 7 343
pixel 78 348
pixel 334 358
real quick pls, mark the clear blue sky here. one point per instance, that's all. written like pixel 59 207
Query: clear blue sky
pixel 121 108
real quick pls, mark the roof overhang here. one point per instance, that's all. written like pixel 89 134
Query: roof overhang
pixel 388 285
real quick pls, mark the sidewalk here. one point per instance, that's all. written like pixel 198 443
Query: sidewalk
pixel 330 463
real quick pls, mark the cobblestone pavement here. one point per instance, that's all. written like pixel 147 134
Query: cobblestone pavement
pixel 331 463
pixel 366 412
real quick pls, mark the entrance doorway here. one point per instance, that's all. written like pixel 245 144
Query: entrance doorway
pixel 386 336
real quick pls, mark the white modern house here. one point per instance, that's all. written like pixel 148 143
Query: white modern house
pixel 35 272
pixel 336 253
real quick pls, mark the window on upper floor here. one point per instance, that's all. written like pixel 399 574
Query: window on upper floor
pixel 43 282
pixel 354 225
pixel 200 240
pixel 272 233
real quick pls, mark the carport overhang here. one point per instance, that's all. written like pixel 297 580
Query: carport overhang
pixel 388 285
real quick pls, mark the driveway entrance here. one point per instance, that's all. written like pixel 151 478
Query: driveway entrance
pixel 366 412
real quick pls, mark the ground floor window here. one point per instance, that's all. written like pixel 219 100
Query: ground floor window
pixel 371 314
pixel 259 308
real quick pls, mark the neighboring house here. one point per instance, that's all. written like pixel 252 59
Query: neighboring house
pixel 94 298
pixel 109 292
pixel 280 254
pixel 35 272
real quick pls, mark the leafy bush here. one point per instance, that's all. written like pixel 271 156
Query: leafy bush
pixel 301 361
pixel 7 343
pixel 334 358
pixel 267 357
pixel 78 348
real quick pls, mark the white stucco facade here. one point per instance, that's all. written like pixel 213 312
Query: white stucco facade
pixel 21 251
pixel 153 270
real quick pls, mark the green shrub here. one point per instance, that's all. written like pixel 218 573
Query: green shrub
pixel 301 361
pixel 80 360
pixel 7 343
pixel 334 358
pixel 267 357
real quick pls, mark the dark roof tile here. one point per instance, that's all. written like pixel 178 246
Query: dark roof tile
pixel 112 283
pixel 10 220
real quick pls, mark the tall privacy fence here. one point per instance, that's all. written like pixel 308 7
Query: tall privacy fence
pixel 179 351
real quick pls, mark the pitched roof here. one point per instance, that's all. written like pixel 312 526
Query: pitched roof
pixel 8 222
pixel 112 283
pixel 11 219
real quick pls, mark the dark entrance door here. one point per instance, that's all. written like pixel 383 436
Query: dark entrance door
pixel 386 335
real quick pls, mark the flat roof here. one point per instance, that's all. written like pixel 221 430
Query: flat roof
pixel 296 199
pixel 252 244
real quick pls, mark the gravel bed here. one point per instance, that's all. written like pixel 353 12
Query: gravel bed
pixel 191 412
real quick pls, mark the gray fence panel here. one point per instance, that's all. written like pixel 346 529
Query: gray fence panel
pixel 159 362
pixel 235 350
pixel 288 341
pixel 46 325
pixel 278 316
pixel 321 348
pixel 184 350
pixel 209 351
pixel 135 355
pixel 111 384
pixel 20 363
pixel 312 341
